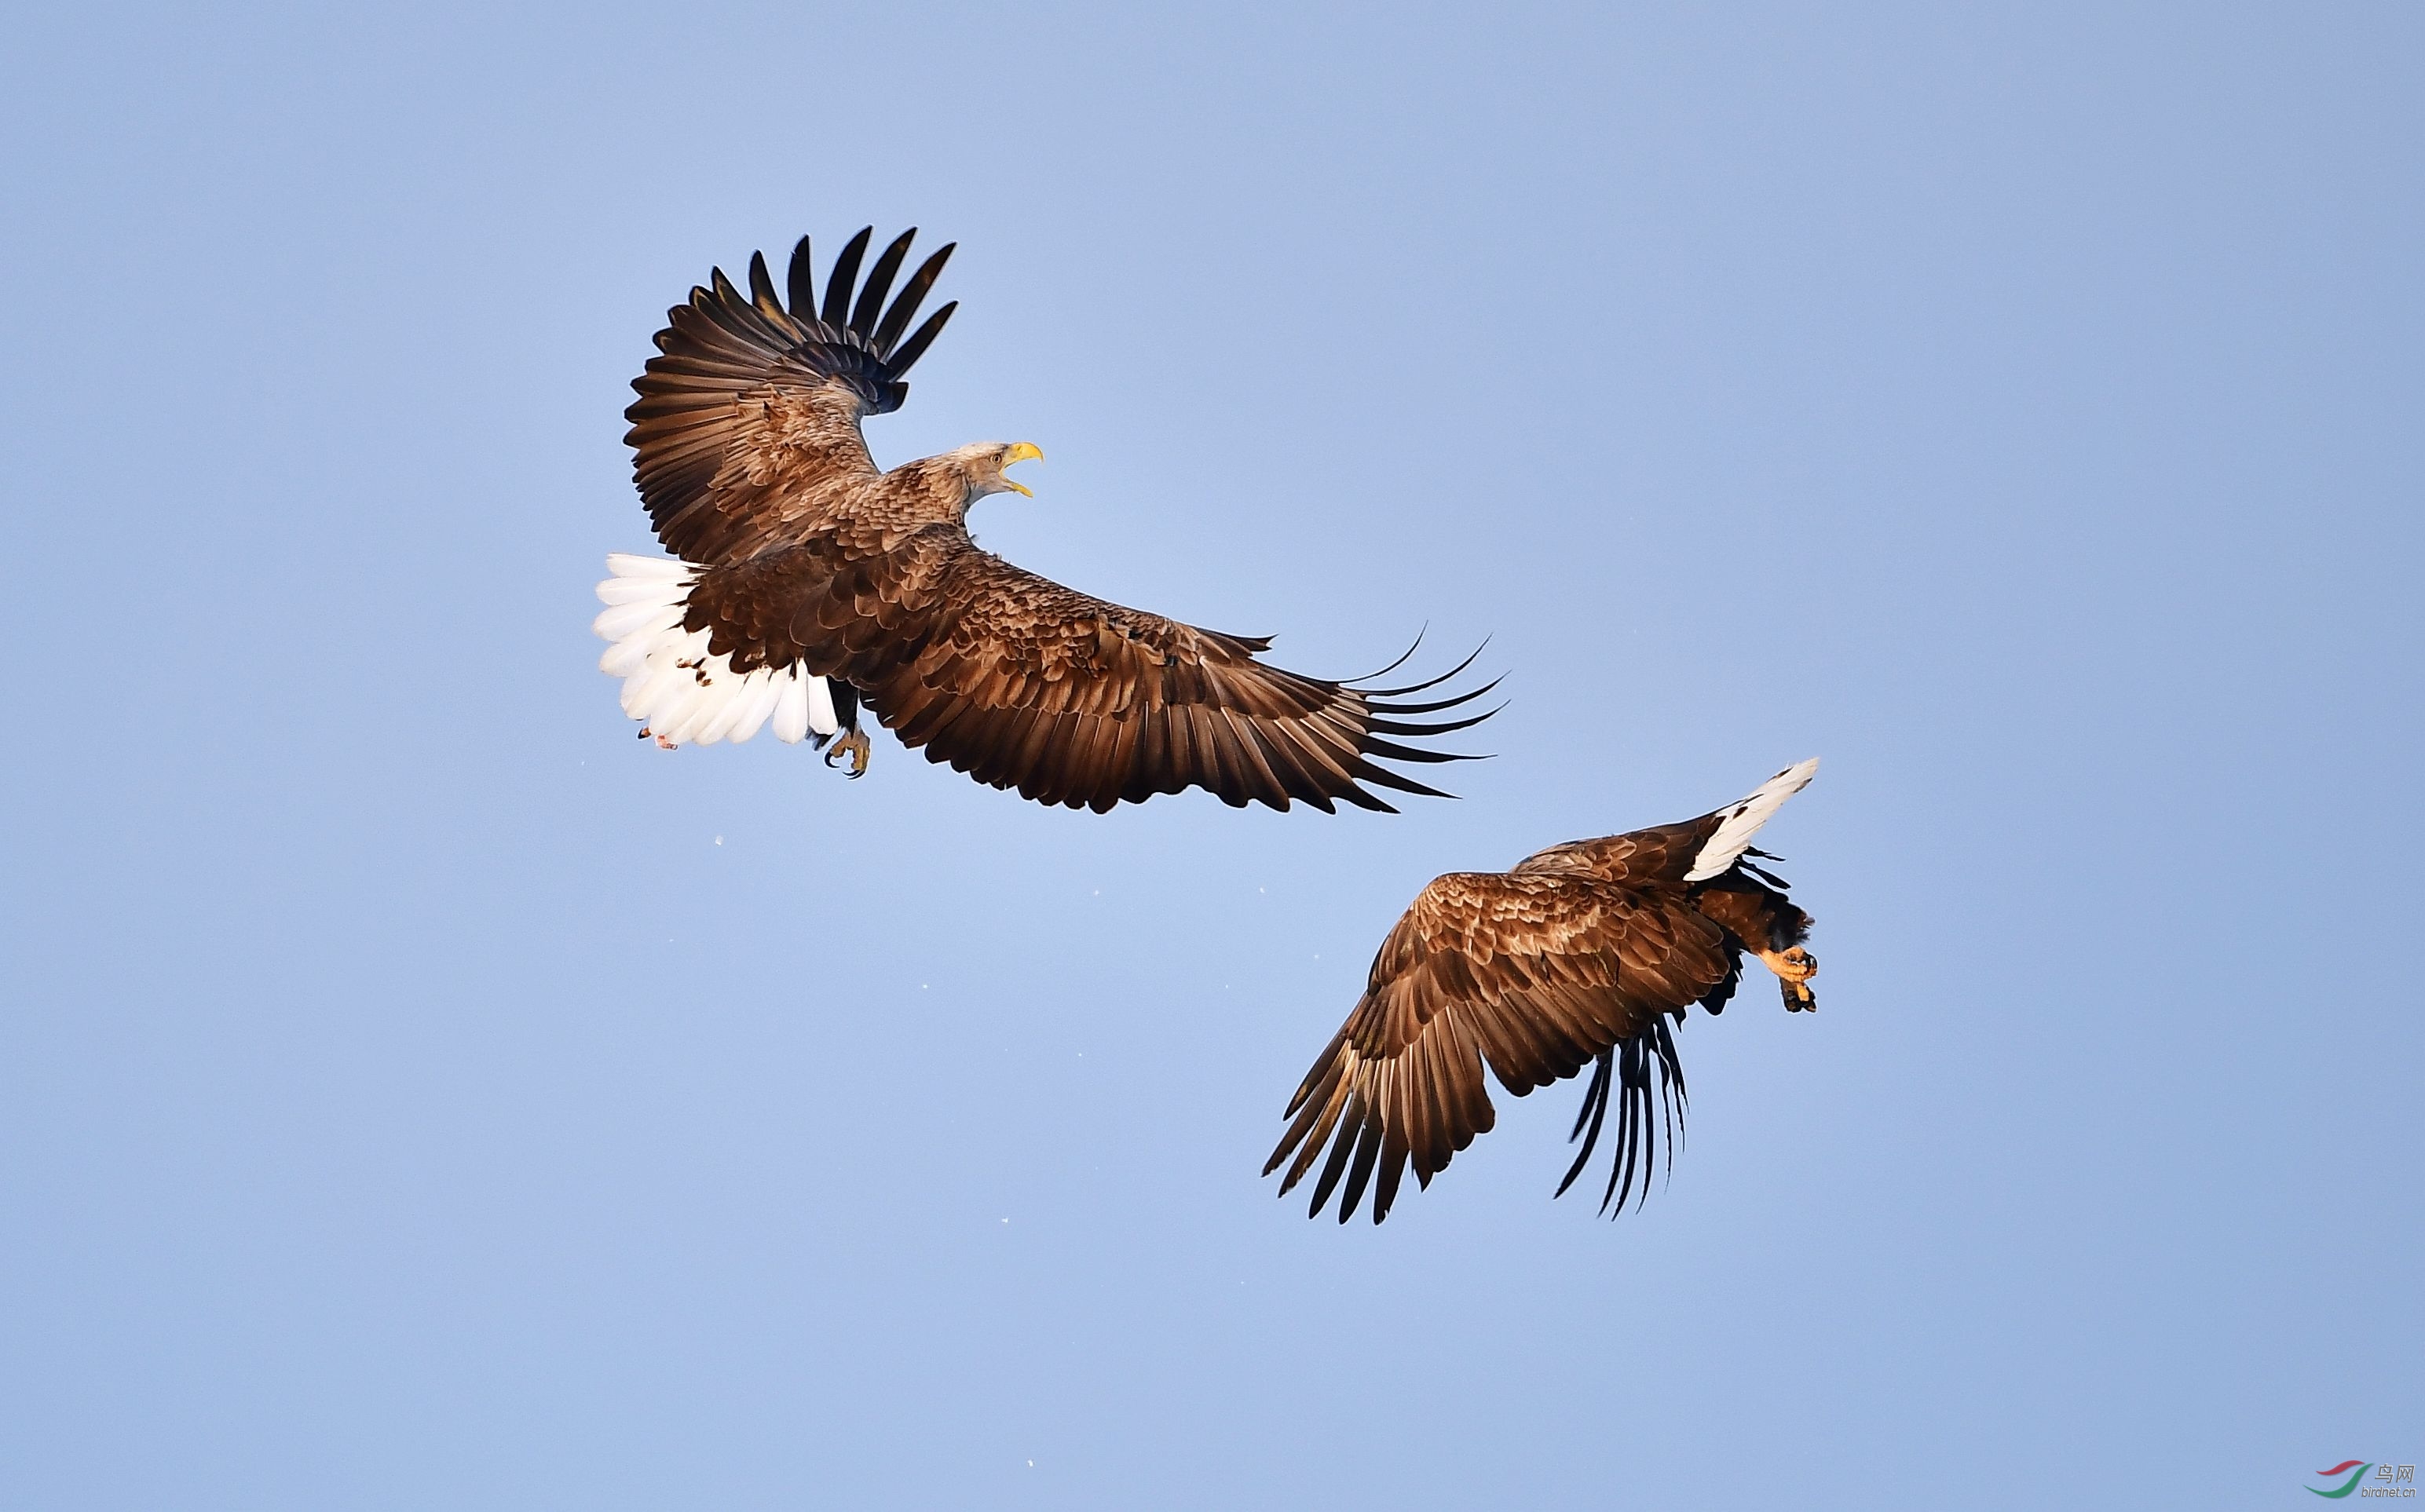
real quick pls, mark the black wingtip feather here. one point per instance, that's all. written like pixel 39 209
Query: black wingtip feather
pixel 913 293
pixel 1594 1109
pixel 1368 1151
pixel 1350 1122
pixel 879 284
pixel 1383 707
pixel 1403 658
pixel 1392 751
pixel 800 282
pixel 1418 687
pixel 908 352
pixel 845 273
pixel 762 288
pixel 1392 727
pixel 1366 772
pixel 1647 1117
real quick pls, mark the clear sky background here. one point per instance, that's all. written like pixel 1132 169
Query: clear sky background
pixel 416 1092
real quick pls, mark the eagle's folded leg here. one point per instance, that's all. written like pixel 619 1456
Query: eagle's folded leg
pixel 856 747
pixel 1794 968
pixel 854 743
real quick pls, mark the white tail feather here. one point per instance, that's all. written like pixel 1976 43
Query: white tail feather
pixel 659 679
pixel 792 712
pixel 678 717
pixel 624 657
pixel 728 715
pixel 625 621
pixel 1743 821
pixel 629 590
pixel 685 696
pixel 821 708
pixel 626 565
pixel 763 690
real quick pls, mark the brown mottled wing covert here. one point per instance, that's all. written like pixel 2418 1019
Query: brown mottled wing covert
pixel 1661 854
pixel 747 428
pixel 1023 683
pixel 1537 974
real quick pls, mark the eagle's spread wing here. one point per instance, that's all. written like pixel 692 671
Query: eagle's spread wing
pixel 1023 683
pixel 749 418
pixel 1538 975
pixel 1073 700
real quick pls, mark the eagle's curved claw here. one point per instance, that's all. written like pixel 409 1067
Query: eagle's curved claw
pixel 856 746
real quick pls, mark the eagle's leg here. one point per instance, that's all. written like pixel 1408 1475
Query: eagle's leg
pixel 1794 968
pixel 856 747
pixel 854 743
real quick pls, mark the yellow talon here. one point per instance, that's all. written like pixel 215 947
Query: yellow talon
pixel 1796 965
pixel 855 748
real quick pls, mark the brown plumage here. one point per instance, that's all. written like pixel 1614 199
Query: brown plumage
pixel 805 557
pixel 1578 956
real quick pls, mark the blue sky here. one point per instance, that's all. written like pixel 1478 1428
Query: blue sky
pixel 414 1092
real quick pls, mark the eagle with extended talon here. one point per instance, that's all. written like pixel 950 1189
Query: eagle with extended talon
pixel 807 586
pixel 1577 957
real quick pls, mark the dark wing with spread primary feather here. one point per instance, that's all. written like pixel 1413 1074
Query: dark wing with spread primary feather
pixel 748 422
pixel 1537 975
pixel 1022 683
pixel 1073 700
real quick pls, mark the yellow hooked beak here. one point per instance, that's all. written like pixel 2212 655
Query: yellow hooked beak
pixel 1023 451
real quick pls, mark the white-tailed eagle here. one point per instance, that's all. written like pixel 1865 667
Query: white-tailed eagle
pixel 1577 957
pixel 806 583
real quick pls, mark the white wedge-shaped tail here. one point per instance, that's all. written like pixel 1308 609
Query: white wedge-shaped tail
pixel 683 694
pixel 1741 821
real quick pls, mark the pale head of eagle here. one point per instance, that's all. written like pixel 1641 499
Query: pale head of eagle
pixel 982 463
